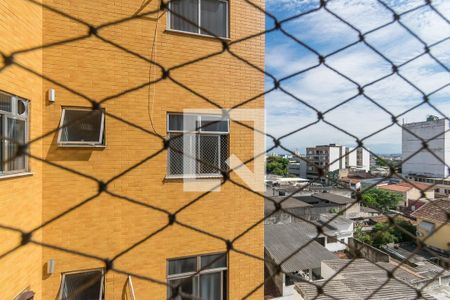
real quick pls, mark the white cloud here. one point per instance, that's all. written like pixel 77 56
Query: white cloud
pixel 324 89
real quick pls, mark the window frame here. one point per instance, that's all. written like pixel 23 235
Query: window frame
pixel 199 26
pixel 195 275
pixel 197 134
pixel 4 142
pixel 102 137
pixel 102 281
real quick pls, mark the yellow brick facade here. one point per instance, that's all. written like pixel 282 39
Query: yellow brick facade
pixel 21 197
pixel 106 226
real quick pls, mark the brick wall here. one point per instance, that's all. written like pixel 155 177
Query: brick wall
pixel 21 197
pixel 106 225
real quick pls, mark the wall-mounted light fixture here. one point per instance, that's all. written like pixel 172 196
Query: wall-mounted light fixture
pixel 51 95
pixel 51 266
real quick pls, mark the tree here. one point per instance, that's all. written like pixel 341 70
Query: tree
pixel 362 236
pixel 277 165
pixel 381 199
pixel 385 233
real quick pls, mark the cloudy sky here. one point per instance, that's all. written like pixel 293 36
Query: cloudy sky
pixel 323 89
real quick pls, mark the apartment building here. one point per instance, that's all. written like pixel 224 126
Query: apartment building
pixel 335 157
pixel 99 236
pixel 424 163
pixel 359 158
pixel 297 167
pixel 423 166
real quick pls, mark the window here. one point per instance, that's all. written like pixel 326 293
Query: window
pixel 87 285
pixel 332 239
pixel 203 277
pixel 14 126
pixel 191 15
pixel 198 145
pixel 426 227
pixel 82 127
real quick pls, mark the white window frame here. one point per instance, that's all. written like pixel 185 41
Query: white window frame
pixel 13 114
pixel 102 137
pixel 197 134
pixel 199 30
pixel 196 275
pixel 102 281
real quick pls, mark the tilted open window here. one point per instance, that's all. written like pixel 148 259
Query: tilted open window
pixel 198 145
pixel 82 127
pixel 87 285
pixel 14 125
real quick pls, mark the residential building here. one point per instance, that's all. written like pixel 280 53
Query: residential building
pixel 310 206
pixel 100 193
pixel 411 194
pixel 435 280
pixel 327 158
pixel 298 167
pixel 433 227
pixel 331 231
pixel 434 161
pixel 360 279
pixel 287 246
pixel 358 158
pixel 348 207
pixel 333 157
pixel 441 186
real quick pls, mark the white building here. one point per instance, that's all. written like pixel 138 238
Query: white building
pixel 297 167
pixel 335 157
pixel 423 163
pixel 359 158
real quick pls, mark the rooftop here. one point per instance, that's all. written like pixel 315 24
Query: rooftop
pixel 291 202
pixel 418 260
pixel 282 240
pixel 333 198
pixel 368 209
pixel 417 185
pixel 395 188
pixel 437 210
pixel 330 226
pixel 359 279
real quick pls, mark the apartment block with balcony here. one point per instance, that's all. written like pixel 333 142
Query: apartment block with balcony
pixel 83 230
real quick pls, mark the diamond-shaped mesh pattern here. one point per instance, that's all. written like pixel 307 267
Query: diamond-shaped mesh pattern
pixel 205 154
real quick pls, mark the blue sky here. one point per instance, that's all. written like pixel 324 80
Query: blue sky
pixel 324 89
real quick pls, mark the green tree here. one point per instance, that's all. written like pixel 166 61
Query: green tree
pixel 381 199
pixel 381 162
pixel 385 233
pixel 277 165
pixel 362 236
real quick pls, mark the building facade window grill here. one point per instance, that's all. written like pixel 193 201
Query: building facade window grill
pixel 198 145
pixel 14 126
pixel 206 17
pixel 203 276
